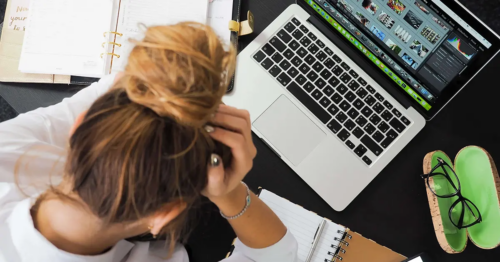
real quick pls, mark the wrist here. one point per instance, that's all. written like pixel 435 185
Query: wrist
pixel 233 202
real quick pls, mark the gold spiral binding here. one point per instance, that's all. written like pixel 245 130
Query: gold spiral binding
pixel 116 33
pixel 111 43
pixel 113 54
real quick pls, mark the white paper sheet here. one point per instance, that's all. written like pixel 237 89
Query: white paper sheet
pixel 220 12
pixel 18 15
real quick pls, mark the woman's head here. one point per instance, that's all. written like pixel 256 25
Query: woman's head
pixel 142 147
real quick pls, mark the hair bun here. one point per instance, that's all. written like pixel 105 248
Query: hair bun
pixel 180 71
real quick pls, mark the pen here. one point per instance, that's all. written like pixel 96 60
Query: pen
pixel 316 240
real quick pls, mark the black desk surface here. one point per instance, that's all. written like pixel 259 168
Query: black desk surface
pixel 393 209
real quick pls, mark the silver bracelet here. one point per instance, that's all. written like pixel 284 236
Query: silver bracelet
pixel 248 200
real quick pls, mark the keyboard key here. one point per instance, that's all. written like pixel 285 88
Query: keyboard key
pixel 310 59
pixel 276 43
pixel 341 117
pixel 267 63
pixel 362 81
pixel 358 132
pixel 337 70
pixel 312 76
pixel 396 124
pixel 334 126
pixel 396 112
pixel 259 56
pixel 305 41
pixel 383 127
pixel 268 49
pixel 325 102
pixel 326 74
pixel 350 96
pixel 358 104
pixel 353 113
pixel 301 79
pixel 344 135
pixel 386 115
pixel 379 97
pixel 342 89
pixel 328 51
pixel 345 66
pixel 309 87
pixel 316 94
pixel 361 93
pixel 295 21
pixel 353 74
pixel 391 136
pixel 318 67
pixel 345 106
pixel 302 52
pixel 308 102
pixel 320 83
pixel 289 27
pixel 388 105
pixel 349 144
pixel 336 98
pixel 321 56
pixel 334 82
pixel 285 65
pixel 313 48
pixel 378 108
pixel 312 36
pixel 349 125
pixel 304 68
pixel 284 79
pixel 293 72
pixel 361 121
pixel 294 45
pixel 360 150
pixel 405 121
pixel 320 43
pixel 367 160
pixel 367 112
pixel 296 61
pixel 289 54
pixel 369 128
pixel 345 78
pixel 378 136
pixel 333 109
pixel 329 63
pixel 372 145
pixel 328 91
pixel 353 85
pixel 337 59
pixel 375 119
pixel 370 100
pixel 284 36
pixel 370 89
pixel 275 71
pixel 277 57
pixel 304 29
pixel 297 34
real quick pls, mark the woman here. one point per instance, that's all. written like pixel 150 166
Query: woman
pixel 141 154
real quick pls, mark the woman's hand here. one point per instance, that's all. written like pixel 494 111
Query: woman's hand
pixel 236 133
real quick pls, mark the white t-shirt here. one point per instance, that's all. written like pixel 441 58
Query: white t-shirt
pixel 40 137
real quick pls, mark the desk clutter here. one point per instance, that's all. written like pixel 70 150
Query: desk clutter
pixel 49 41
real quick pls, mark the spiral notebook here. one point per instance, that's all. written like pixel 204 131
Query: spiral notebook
pixel 321 240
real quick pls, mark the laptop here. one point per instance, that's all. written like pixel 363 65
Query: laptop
pixel 337 88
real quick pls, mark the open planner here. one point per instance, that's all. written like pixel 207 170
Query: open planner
pixel 321 240
pixel 94 39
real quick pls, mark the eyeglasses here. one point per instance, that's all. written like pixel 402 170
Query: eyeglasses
pixel 463 213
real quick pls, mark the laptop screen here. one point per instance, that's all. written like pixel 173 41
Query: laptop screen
pixel 427 49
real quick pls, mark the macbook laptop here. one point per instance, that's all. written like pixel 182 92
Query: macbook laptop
pixel 337 88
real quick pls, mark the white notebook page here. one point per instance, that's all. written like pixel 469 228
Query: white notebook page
pixel 220 12
pixel 151 13
pixel 65 37
pixel 303 224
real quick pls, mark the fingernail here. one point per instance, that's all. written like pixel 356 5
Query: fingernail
pixel 214 160
pixel 212 116
pixel 209 129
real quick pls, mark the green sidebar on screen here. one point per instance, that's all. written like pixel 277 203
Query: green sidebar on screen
pixel 353 40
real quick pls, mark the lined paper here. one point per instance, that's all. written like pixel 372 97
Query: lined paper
pixel 303 225
pixel 220 12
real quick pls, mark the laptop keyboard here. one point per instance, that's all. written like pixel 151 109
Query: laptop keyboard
pixel 353 110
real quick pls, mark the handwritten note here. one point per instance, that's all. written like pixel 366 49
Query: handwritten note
pixel 18 15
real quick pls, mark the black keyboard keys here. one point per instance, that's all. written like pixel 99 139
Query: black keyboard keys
pixel 325 102
pixel 277 57
pixel 333 109
pixel 341 117
pixel 320 83
pixel 318 67
pixel 275 71
pixel 321 56
pixel 337 59
pixel 284 79
pixel 336 98
pixel 390 137
pixel 312 76
pixel 312 36
pixel 345 106
pixel 358 104
pixel 301 79
pixel 285 65
pixel 304 68
pixel 293 72
pixel 283 35
pixel 259 56
pixel 370 100
pixel 305 41
pixel 334 126
pixel 268 49
pixel 383 127
pixel 304 29
pixel 320 43
pixel 396 112
pixel 296 61
pixel 349 144
pixel 386 115
pixel 367 160
pixel 313 48
pixel 375 120
pixel 369 128
pixel 354 74
pixel 326 74
pixel 295 21
pixel 379 97
pixel 367 112
pixel 309 87
pixel 267 63
pixel 277 44
pixel 396 124
pixel 388 105
pixel 344 134
pixel 337 70
pixel 362 81
pixel 372 145
pixel 370 89
pixel 349 125
pixel 361 121
pixel 288 54
pixel 342 89
pixel 297 34
pixel 328 51
pixel 345 66
pixel 378 136
pixel 310 59
pixel 289 27
pixel 345 78
pixel 329 63
pixel 405 121
pixel 328 91
pixel 302 52
pixel 360 150
pixel 350 96
pixel 353 85
pixel 361 93
pixel 334 82
pixel 358 132
pixel 308 102
pixel 317 94
pixel 294 45
pixel 378 108
pixel 353 113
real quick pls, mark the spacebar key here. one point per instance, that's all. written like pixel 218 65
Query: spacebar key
pixel 307 101
pixel 368 142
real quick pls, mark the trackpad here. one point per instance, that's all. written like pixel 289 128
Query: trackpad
pixel 289 130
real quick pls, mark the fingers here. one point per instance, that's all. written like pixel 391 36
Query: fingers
pixel 235 112
pixel 216 176
pixel 233 123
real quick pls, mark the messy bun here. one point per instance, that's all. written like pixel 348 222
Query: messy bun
pixel 179 71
